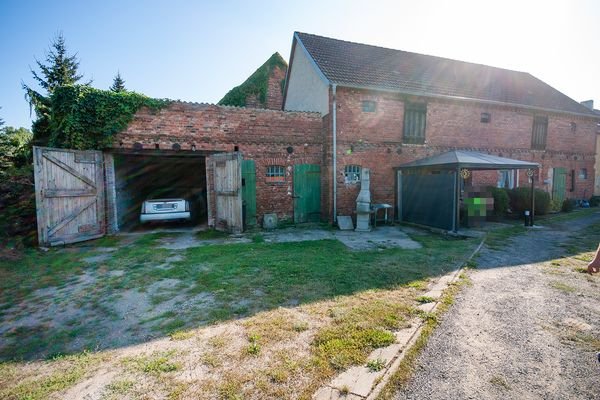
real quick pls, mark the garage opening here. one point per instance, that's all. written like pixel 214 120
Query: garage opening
pixel 141 177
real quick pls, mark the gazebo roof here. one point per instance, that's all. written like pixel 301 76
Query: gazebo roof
pixel 469 159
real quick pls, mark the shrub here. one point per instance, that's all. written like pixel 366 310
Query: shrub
pixel 568 205
pixel 520 200
pixel 501 200
pixel 555 205
pixel 594 201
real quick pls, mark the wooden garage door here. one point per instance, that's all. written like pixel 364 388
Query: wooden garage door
pixel 228 191
pixel 69 192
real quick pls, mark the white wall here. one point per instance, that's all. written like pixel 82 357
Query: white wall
pixel 306 90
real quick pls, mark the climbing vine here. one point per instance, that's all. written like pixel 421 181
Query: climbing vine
pixel 82 117
pixel 256 85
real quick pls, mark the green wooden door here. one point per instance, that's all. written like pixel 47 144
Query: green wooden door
pixel 307 193
pixel 249 191
pixel 559 184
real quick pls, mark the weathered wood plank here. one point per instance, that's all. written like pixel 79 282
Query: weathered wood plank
pixel 69 169
pixel 69 195
pixel 69 192
pixel 70 217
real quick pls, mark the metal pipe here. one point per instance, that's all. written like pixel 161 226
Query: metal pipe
pixel 532 198
pixel 334 116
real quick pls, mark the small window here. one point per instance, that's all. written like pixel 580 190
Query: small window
pixel 583 173
pixel 486 118
pixel 506 179
pixel 539 133
pixel 414 123
pixel 352 173
pixel 275 173
pixel 573 127
pixel 369 106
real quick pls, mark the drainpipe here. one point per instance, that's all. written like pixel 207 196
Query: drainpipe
pixel 333 89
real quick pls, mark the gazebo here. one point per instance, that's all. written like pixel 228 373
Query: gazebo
pixel 428 190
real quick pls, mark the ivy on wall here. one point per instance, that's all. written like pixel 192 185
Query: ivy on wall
pixel 85 118
pixel 256 85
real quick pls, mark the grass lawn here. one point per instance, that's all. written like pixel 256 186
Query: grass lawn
pixel 256 320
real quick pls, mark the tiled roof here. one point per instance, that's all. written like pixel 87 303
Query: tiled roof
pixel 360 65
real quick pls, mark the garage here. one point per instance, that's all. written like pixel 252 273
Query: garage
pixel 140 177
pixel 84 194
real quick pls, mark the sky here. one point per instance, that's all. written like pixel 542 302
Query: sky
pixel 199 50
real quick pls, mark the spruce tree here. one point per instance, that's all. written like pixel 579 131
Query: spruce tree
pixel 59 69
pixel 118 84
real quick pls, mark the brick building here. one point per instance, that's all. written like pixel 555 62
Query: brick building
pixel 384 107
pixel 293 147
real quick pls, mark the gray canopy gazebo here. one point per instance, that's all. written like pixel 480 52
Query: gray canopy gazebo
pixel 428 190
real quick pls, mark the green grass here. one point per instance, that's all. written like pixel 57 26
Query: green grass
pixel 240 279
pixel 155 364
pixel 425 299
pixel 376 365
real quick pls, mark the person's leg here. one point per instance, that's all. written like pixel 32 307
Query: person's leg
pixel 594 266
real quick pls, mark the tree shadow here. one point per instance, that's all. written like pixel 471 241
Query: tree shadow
pixel 110 293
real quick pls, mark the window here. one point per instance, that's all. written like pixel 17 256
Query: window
pixel 486 117
pixel 352 173
pixel 540 129
pixel 414 123
pixel 583 173
pixel 506 179
pixel 573 127
pixel 369 106
pixel 275 173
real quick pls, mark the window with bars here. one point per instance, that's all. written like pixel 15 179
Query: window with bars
pixel 539 133
pixel 275 173
pixel 352 173
pixel 414 123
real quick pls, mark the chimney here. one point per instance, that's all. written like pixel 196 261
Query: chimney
pixel 588 104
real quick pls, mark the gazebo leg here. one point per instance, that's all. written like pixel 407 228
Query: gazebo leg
pixel 594 266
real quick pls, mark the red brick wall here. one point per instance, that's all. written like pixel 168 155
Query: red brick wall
pixel 374 140
pixel 274 99
pixel 261 135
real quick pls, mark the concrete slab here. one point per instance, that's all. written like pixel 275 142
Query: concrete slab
pixel 345 223
pixel 358 380
pixel 427 307
pixel 297 235
pixel 380 238
pixel 386 354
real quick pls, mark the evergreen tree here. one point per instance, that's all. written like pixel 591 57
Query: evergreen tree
pixel 59 69
pixel 118 84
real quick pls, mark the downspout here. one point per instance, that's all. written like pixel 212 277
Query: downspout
pixel 334 115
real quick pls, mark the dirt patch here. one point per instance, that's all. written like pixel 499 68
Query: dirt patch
pixel 514 334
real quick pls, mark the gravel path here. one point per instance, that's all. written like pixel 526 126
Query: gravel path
pixel 525 329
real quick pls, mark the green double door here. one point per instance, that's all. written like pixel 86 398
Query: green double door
pixel 307 193
pixel 249 192
pixel 559 184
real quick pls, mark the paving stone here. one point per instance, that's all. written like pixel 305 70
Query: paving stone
pixel 326 393
pixel 365 382
pixel 404 335
pixel 434 294
pixel 387 353
pixel 427 307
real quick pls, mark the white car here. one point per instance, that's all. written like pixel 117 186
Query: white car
pixel 165 210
